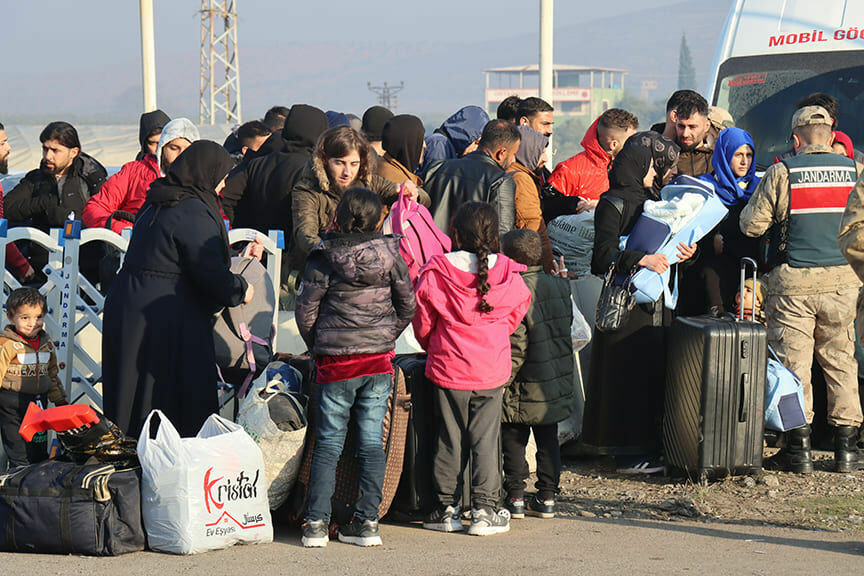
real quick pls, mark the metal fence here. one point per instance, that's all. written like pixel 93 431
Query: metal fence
pixel 75 304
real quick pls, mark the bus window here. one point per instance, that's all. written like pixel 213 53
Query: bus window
pixel 761 92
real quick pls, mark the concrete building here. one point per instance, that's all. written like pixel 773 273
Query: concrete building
pixel 577 90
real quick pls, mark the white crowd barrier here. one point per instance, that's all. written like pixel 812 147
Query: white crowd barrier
pixel 75 305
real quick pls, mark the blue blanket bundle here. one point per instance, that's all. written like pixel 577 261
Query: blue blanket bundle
pixel 688 209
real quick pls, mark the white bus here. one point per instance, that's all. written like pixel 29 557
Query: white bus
pixel 772 53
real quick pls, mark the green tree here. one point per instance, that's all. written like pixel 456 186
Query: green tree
pixel 686 72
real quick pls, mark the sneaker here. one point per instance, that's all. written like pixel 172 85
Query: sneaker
pixel 315 534
pixel 360 532
pixel 639 465
pixel 444 519
pixel 541 508
pixel 487 521
pixel 516 507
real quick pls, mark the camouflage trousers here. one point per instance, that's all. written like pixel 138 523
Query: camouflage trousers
pixel 803 324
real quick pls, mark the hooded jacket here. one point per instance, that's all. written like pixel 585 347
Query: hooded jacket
pixel 26 370
pixel 125 191
pixel 453 136
pixel 260 197
pixel 586 174
pixel 37 197
pixel 472 178
pixel 540 390
pixel 529 214
pixel 356 296
pixel 468 350
pixel 150 121
pixel 313 205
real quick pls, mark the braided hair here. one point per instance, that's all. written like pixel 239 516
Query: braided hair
pixel 475 229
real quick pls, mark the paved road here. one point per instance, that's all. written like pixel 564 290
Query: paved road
pixel 532 547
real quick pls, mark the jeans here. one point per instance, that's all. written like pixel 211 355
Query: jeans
pixel 367 396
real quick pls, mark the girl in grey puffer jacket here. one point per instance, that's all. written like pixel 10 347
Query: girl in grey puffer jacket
pixel 355 299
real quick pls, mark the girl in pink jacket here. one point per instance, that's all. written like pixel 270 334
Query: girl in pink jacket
pixel 468 303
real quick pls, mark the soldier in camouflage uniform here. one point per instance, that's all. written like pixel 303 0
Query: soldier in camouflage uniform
pixel 812 290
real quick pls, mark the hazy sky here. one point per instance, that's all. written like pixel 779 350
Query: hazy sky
pixel 86 45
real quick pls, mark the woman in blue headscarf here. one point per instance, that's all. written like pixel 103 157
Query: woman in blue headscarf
pixel 734 181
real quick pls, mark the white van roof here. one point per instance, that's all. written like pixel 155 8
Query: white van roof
pixel 766 27
pixel 756 27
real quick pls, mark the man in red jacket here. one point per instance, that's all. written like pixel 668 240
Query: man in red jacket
pixel 126 190
pixel 14 259
pixel 586 175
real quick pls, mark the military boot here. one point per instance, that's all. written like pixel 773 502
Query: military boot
pixel 845 448
pixel 796 456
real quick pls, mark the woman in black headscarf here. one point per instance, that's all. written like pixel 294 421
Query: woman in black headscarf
pixel 157 343
pixel 402 140
pixel 626 382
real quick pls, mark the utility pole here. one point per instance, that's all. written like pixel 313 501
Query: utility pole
pixel 387 95
pixel 219 59
pixel 148 55
pixel 547 19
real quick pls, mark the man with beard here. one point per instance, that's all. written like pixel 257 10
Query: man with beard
pixel 691 134
pixel 15 261
pixel 64 181
pixel 342 159
pixel 536 113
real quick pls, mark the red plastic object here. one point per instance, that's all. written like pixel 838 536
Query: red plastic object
pixel 59 419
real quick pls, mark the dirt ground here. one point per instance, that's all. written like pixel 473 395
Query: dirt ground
pixel 824 500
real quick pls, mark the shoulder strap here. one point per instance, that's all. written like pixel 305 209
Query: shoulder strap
pixel 617 202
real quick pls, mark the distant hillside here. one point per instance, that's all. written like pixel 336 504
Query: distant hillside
pixel 438 78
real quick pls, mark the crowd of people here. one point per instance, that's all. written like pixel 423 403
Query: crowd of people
pixel 493 315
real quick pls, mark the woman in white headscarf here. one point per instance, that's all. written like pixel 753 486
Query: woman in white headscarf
pixel 177 135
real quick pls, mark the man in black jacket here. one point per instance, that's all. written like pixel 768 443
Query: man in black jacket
pixel 480 176
pixel 260 196
pixel 66 178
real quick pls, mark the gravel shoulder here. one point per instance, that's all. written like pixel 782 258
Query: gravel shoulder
pixel 823 500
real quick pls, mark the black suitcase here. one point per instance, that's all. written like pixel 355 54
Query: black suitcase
pixel 713 421
pixel 61 507
pixel 415 495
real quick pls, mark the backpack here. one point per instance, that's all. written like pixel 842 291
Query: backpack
pixel 420 238
pixel 243 335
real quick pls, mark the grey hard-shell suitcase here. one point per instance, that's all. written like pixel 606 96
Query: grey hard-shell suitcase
pixel 713 422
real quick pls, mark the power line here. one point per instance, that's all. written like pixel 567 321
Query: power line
pixel 387 95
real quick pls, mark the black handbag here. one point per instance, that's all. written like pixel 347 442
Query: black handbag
pixel 616 301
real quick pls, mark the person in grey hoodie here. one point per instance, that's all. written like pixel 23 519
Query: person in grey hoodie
pixel 355 299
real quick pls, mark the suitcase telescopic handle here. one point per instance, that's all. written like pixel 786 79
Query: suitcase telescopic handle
pixel 744 262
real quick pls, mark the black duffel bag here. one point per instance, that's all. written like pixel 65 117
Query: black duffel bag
pixel 60 507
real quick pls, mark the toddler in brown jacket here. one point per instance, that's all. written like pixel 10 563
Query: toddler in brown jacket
pixel 28 370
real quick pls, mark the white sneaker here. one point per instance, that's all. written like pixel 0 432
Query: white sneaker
pixel 486 521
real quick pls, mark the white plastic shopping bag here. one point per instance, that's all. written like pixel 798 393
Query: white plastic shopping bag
pixel 580 330
pixel 282 448
pixel 202 493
